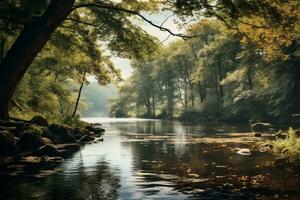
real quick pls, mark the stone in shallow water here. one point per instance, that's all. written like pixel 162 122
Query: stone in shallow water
pixel 244 152
pixel 261 127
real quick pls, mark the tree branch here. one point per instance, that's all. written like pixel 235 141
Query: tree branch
pixel 82 22
pixel 119 9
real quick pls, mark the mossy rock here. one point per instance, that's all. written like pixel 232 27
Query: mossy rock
pixel 35 128
pixel 81 131
pixel 31 140
pixel 62 134
pixel 47 134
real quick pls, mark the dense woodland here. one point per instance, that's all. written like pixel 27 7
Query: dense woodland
pixel 238 60
pixel 248 72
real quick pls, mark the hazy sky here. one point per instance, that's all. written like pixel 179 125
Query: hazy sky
pixel 124 64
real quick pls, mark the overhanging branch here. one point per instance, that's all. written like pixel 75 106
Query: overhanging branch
pixel 82 22
pixel 119 9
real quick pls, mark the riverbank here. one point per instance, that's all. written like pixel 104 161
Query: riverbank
pixel 35 145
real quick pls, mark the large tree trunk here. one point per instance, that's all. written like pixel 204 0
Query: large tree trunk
pixel 185 95
pixel 153 107
pixel 170 99
pixel 202 92
pixel 148 105
pixel 26 47
pixel 192 95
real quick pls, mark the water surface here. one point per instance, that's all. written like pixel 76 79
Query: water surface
pixel 154 159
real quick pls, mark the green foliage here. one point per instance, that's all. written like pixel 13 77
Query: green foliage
pixel 73 121
pixel 289 147
pixel 83 44
pixel 215 76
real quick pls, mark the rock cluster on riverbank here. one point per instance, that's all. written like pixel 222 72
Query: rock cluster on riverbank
pixel 284 144
pixel 29 145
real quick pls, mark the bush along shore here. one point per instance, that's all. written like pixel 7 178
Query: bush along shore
pixel 29 147
pixel 284 145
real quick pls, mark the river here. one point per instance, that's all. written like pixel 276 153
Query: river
pixel 155 159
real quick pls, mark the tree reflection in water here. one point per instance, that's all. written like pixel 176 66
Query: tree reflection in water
pixel 100 182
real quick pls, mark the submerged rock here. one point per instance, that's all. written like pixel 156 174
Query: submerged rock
pixel 244 152
pixel 261 127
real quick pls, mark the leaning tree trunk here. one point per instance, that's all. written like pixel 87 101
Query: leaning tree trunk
pixel 29 43
pixel 79 95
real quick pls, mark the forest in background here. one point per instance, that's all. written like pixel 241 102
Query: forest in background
pixel 222 74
